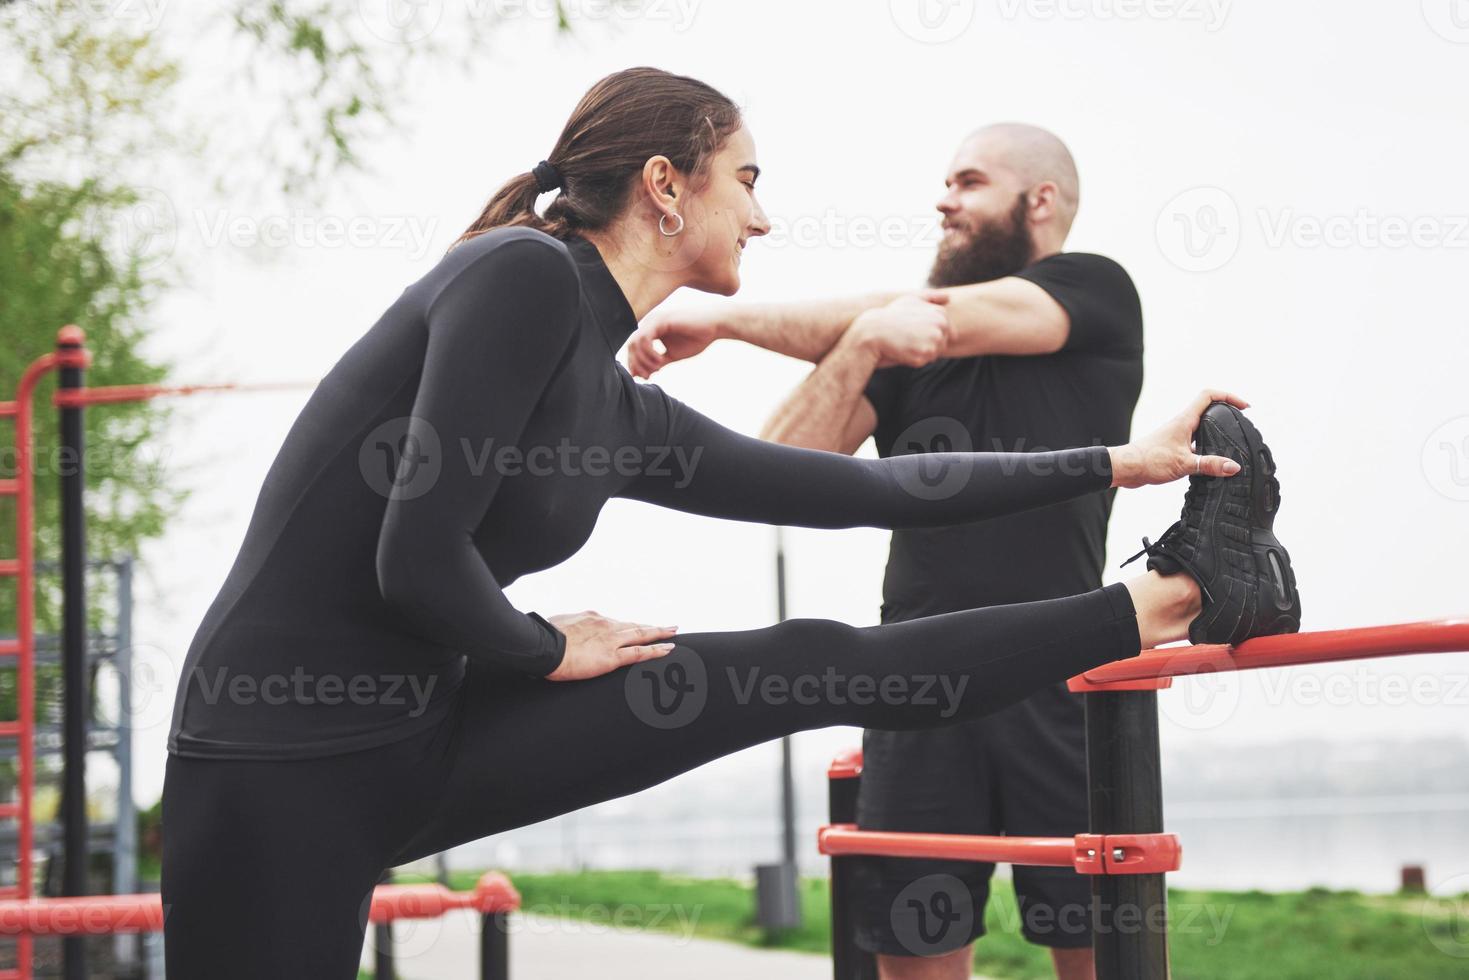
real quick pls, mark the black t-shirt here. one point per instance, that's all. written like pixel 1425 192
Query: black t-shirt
pixel 1084 394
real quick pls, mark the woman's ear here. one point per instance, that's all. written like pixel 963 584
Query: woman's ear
pixel 661 182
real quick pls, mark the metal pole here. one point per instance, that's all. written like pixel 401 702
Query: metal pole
pixel 125 850
pixel 74 664
pixel 382 941
pixel 1125 784
pixel 848 962
pixel 494 946
pixel 787 773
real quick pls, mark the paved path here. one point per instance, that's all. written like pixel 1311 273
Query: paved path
pixel 543 948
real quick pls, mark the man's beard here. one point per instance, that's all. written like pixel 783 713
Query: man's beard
pixel 997 248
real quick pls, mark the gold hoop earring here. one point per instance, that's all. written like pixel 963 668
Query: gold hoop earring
pixel 665 232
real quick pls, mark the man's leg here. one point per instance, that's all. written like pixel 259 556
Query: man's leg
pixel 921 917
pixel 1038 754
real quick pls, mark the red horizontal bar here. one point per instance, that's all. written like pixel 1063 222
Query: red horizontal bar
pixel 88 915
pixel 1286 650
pixel 10 648
pixel 9 487
pixel 1087 853
pixel 9 566
pixel 9 728
pixel 105 914
pixel 8 811
pixel 492 893
pixel 81 397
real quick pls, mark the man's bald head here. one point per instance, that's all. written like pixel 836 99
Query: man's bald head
pixel 1035 156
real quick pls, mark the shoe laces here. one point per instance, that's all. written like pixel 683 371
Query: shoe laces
pixel 1166 546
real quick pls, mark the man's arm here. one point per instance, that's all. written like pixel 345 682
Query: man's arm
pixel 827 410
pixel 1004 316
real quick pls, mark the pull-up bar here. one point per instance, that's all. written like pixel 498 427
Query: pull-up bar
pixel 1151 669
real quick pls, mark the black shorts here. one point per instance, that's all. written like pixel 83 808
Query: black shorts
pixel 1022 772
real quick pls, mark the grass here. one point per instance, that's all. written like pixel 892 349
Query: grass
pixel 1213 935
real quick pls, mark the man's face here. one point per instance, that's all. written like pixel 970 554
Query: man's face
pixel 985 211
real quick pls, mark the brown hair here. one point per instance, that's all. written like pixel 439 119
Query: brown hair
pixel 623 120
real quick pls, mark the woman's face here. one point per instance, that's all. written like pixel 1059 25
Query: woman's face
pixel 720 216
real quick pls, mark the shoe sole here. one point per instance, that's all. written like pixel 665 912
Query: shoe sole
pixel 1279 609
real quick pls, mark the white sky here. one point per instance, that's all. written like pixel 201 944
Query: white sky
pixel 1288 115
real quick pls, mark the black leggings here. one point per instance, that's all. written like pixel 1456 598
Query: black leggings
pixel 268 866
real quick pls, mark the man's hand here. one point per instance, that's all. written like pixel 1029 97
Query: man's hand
pixel 911 330
pixel 682 333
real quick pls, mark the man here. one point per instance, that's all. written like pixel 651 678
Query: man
pixel 1017 346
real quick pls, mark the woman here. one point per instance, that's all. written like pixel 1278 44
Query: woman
pixel 362 694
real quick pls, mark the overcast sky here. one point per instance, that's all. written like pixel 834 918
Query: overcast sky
pixel 1283 181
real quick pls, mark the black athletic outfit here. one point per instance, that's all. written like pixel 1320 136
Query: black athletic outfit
pixel 1022 770
pixel 469 437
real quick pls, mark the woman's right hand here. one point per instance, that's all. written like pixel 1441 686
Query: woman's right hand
pixel 1167 454
pixel 596 645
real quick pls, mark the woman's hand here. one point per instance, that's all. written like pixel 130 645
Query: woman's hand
pixel 596 645
pixel 1167 454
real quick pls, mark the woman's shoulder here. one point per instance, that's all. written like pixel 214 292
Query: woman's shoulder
pixel 525 244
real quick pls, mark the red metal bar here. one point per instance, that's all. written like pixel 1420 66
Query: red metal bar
pixel 1290 649
pixel 136 393
pixel 107 914
pixel 847 765
pixel 492 893
pixel 1087 853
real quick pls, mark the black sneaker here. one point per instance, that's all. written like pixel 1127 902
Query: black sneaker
pixel 1224 539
